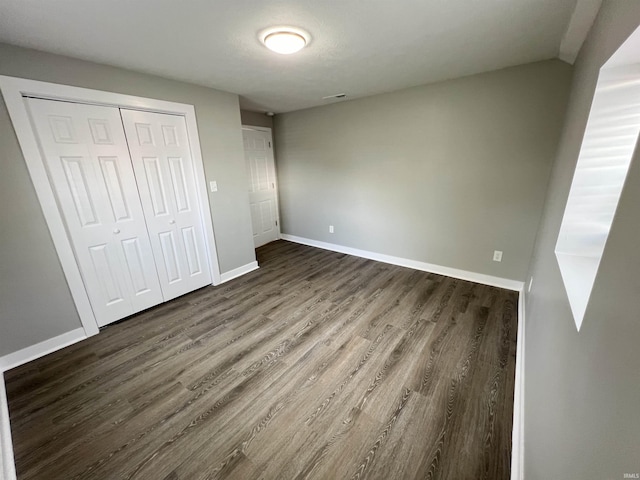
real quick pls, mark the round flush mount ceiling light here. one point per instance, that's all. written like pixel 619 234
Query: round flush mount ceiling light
pixel 284 40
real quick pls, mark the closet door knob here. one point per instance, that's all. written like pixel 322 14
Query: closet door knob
pixel 116 231
pixel 171 222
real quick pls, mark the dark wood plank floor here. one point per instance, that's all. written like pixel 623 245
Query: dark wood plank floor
pixel 318 365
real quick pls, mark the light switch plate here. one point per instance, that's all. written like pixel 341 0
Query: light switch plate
pixel 213 186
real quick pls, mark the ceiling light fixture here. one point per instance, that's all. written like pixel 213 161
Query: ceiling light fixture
pixel 285 40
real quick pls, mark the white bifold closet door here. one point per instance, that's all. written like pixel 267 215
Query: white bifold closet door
pixel 164 169
pixel 127 194
pixel 86 155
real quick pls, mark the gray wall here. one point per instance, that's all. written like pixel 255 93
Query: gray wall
pixel 35 301
pixel 582 389
pixel 256 119
pixel 444 173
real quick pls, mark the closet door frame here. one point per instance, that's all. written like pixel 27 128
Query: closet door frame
pixel 14 90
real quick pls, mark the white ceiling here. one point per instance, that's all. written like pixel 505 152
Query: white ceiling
pixel 359 47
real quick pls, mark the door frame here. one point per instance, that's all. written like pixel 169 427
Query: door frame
pixel 275 170
pixel 14 90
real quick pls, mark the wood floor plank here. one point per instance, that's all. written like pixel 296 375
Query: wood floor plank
pixel 318 365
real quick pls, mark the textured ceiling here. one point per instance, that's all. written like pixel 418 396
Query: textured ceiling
pixel 359 47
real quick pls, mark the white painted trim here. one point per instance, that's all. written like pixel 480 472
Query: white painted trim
pixel 255 127
pixel 14 90
pixel 7 466
pixel 415 264
pixel 238 272
pixel 41 349
pixel 517 434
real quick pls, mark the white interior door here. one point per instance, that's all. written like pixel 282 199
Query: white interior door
pixel 164 171
pixel 87 159
pixel 258 154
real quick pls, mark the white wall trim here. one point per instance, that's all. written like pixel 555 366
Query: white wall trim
pixel 517 435
pixel 415 264
pixel 238 272
pixel 7 466
pixel 41 349
pixel 255 127
pixel 14 90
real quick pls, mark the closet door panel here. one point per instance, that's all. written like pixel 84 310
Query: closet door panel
pixel 164 170
pixel 87 160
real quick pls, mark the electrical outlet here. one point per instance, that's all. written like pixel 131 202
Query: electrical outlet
pixel 330 228
pixel 530 283
pixel 497 256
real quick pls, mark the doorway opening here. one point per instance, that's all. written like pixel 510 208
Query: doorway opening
pixel 262 184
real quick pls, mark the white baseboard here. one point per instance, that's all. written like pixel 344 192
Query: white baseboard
pixel 238 272
pixel 7 467
pixel 517 436
pixel 41 349
pixel 416 265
